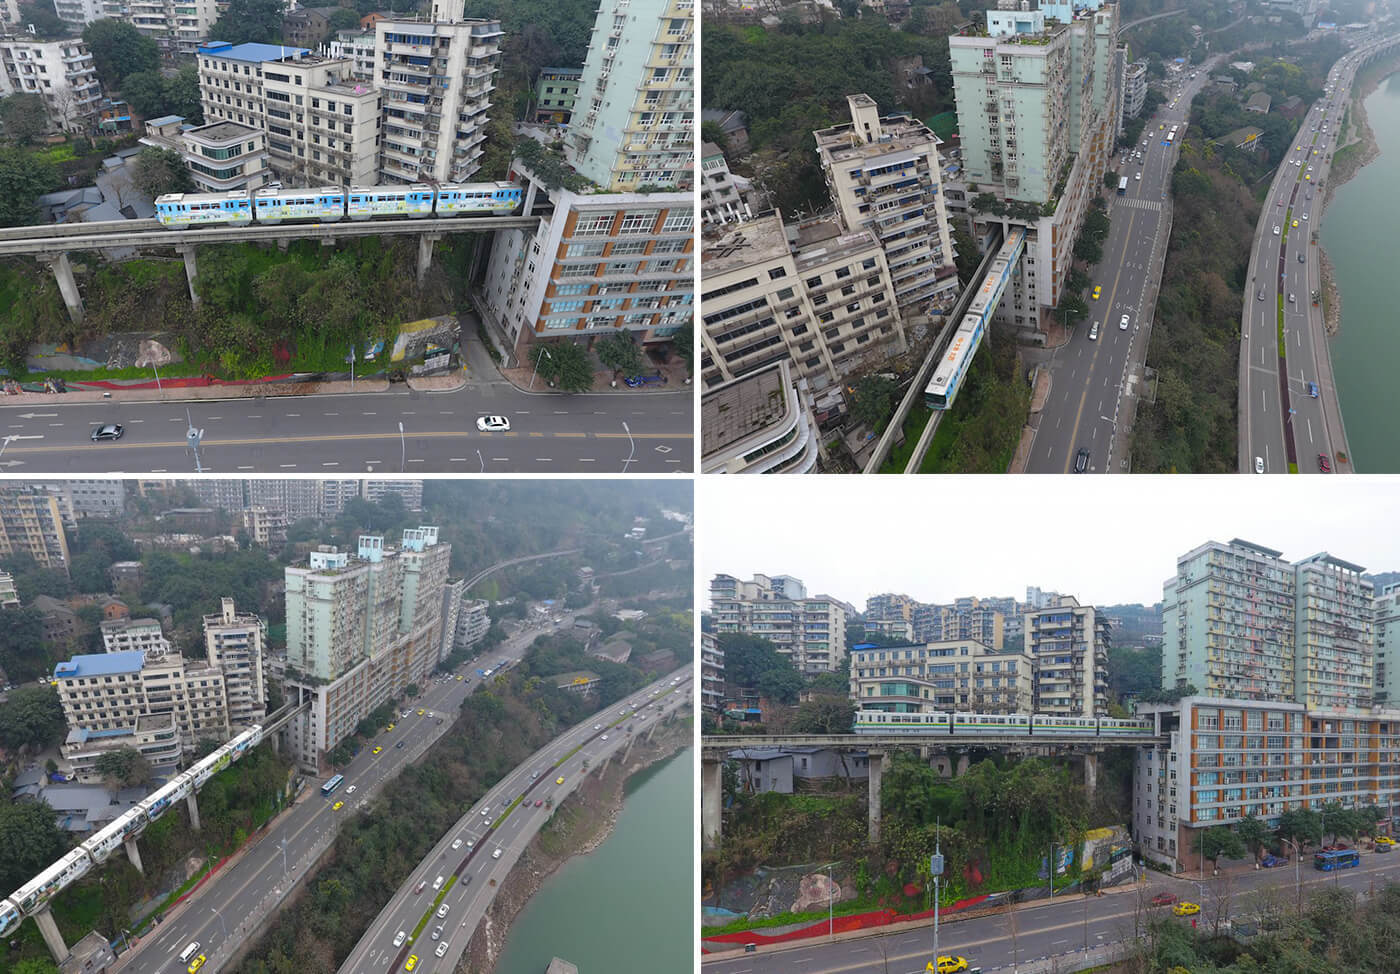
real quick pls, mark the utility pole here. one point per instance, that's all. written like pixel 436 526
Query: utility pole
pixel 935 868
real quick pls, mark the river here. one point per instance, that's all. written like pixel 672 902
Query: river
pixel 627 907
pixel 1358 231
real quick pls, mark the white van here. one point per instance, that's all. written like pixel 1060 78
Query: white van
pixel 189 952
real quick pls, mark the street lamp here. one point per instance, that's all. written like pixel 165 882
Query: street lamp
pixel 544 353
pixel 157 372
pixel 403 449
pixel 481 461
pixel 1297 876
pixel 632 453
pixel 830 907
pixel 215 910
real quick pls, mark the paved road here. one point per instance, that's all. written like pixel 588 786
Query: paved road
pixel 1289 410
pixel 357 434
pixel 1089 377
pixel 1047 927
pixel 262 876
pixel 489 840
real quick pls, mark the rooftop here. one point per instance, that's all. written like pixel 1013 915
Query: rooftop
pixel 166 120
pixel 739 408
pixel 740 245
pixel 251 52
pixel 222 132
pixel 100 664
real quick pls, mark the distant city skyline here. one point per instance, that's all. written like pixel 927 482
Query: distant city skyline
pixel 936 539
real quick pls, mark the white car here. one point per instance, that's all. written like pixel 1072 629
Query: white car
pixel 1276 231
pixel 402 936
pixel 1123 323
pixel 350 790
pixel 457 844
pixel 442 911
pixel 496 854
pixel 1258 464
pixel 493 424
pixel 604 737
pixel 441 948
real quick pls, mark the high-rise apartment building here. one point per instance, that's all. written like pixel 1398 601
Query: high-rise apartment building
pixel 235 642
pixel 889 605
pixel 78 13
pixel 410 492
pixel 1239 621
pixel 360 628
pixel 1225 759
pixel 452 591
pixel 811 632
pixel 1069 643
pixel 721 201
pixel 1038 117
pixel 711 672
pixel 823 301
pixel 436 80
pixel 30 523
pixel 884 177
pixel 1387 630
pixel 135 635
pixel 967 619
pixel 60 72
pixel 358 47
pixel 473 620
pixel 942 676
pixel 633 122
pixel 113 691
pixel 177 26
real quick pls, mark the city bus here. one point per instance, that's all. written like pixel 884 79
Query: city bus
pixel 1123 186
pixel 332 785
pixel 1337 859
pixel 1171 136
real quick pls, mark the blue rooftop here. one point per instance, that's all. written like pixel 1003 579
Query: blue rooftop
pixel 100 664
pixel 251 52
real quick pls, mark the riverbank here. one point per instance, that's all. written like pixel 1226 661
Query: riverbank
pixel 578 827
pixel 1349 159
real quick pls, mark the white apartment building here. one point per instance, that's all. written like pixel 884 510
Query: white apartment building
pixel 761 422
pixel 826 304
pixel 113 691
pixel 711 672
pixel 473 619
pixel 360 628
pixel 599 263
pixel 1069 643
pixel 358 47
pixel 884 177
pixel 890 605
pixel 322 126
pixel 221 156
pixel 1334 636
pixel 265 527
pixel 10 19
pixel 1228 758
pixel 941 677
pixel 452 591
pixel 721 201
pixel 78 13
pixel 436 80
pixel 1134 88
pixel 31 523
pixel 138 635
pixel 890 630
pixel 633 120
pixel 61 72
pixel 1038 117
pixel 177 26
pixel 236 643
pixel 811 632
pixel 410 492
pixel 1387 630
pixel 9 598
pixel 155 736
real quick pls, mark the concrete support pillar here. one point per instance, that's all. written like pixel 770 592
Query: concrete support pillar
pixel 52 937
pixel 1091 774
pixel 425 253
pixel 276 740
pixel 711 801
pixel 67 286
pixel 134 854
pixel 963 762
pixel 194 811
pixel 529 207
pixel 283 243
pixel 877 773
pixel 191 271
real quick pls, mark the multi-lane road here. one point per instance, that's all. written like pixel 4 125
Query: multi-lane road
pixel 334 435
pixel 1047 928
pixel 1090 376
pixel 1289 413
pixel 444 898
pixel 218 916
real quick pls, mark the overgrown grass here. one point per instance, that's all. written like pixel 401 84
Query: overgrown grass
pixel 914 425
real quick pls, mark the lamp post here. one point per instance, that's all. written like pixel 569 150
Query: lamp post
pixel 830 907
pixel 481 461
pixel 157 372
pixel 403 449
pixel 935 867
pixel 632 444
pixel 215 910
pixel 544 353
pixel 1297 875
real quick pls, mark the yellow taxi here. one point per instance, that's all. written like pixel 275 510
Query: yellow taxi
pixel 420 712
pixel 376 750
pixel 1384 840
pixel 1295 223
pixel 1308 177
pixel 196 964
pixel 947 965
pixel 1185 909
pixel 337 806
pixel 412 962
pixel 459 677
pixel 389 728
pixel 1098 289
pixel 559 780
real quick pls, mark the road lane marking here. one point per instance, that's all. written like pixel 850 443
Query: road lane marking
pixel 333 437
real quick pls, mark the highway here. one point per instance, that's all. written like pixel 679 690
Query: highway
pixel 1289 412
pixel 224 912
pixel 335 435
pixel 492 835
pixel 1089 377
pixel 1046 928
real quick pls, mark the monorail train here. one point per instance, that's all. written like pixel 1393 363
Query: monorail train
pixel 328 204
pixel 971 725
pixel 92 852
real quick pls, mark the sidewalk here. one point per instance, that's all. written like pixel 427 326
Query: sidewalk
pixel 674 372
pixel 193 388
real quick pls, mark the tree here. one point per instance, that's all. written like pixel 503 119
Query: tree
pixel 182 95
pixel 684 346
pixel 564 364
pixel 44 19
pixel 21 644
pixel 1253 832
pixel 161 171
pixel 23 179
pixel 411 690
pixel 344 19
pixel 145 92
pixel 1217 841
pixel 618 352
pixel 123 768
pixel 118 49
pixel 1301 824
pixel 250 21
pixel 830 715
pixel 874 400
pixel 32 717
pixel 29 841
pixel 26 117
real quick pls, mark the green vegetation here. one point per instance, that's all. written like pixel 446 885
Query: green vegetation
pixel 980 433
pixel 25 117
pixel 250 21
pixel 152 94
pixel 24 177
pixel 620 353
pixel 914 424
pixel 118 50
pixel 160 171
pixel 874 401
pixel 1133 671
pixel 563 364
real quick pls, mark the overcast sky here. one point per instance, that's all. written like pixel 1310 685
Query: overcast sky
pixel 1105 540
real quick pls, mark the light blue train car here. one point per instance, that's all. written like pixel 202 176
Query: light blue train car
pixel 204 209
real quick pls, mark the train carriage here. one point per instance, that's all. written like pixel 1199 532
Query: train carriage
pixel 892 722
pixel 322 203
pixel 371 202
pixel 42 888
pixel 991 724
pixel 468 198
pixel 204 209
